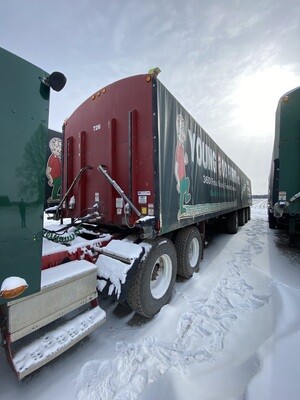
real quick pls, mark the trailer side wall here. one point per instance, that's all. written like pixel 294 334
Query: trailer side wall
pixel 196 178
pixel 284 178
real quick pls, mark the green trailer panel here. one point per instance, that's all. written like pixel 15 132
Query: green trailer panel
pixel 288 131
pixel 24 103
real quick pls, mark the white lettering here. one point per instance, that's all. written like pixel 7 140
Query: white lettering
pixel 96 127
pixel 192 138
pixel 206 157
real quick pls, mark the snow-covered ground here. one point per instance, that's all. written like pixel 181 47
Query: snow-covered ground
pixel 231 332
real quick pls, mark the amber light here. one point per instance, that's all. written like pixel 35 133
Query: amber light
pixel 12 293
pixel 148 79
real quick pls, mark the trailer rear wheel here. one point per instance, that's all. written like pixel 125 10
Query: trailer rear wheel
pixel 189 249
pixel 242 217
pixel 248 213
pixel 272 220
pixel 232 222
pixel 151 287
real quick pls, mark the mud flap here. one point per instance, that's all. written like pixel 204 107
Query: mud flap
pixel 65 288
pixel 117 265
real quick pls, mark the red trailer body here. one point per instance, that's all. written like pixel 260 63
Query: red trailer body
pixel 165 163
pixel 104 130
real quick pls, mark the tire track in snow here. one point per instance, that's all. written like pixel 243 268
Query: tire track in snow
pixel 260 204
pixel 254 232
pixel 259 210
pixel 201 332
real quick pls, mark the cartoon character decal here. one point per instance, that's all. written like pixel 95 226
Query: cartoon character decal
pixel 53 169
pixel 181 160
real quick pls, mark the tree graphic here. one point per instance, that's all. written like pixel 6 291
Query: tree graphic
pixel 32 169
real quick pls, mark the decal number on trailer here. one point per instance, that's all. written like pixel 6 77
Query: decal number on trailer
pixel 142 199
pixel 96 127
pixel 119 202
pixel 144 193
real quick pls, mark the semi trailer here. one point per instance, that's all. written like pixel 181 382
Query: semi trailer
pixel 141 180
pixel 284 178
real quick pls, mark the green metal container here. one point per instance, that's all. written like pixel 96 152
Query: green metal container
pixel 24 105
pixel 284 182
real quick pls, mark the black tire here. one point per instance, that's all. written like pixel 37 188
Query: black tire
pixel 295 240
pixel 150 290
pixel 242 217
pixel 232 222
pixel 188 244
pixel 272 221
pixel 248 213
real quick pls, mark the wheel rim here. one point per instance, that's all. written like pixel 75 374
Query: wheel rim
pixel 161 276
pixel 194 253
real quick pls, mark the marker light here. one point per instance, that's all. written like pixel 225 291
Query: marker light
pixel 12 287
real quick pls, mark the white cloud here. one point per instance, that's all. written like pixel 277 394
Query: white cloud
pixel 256 96
pixel 227 62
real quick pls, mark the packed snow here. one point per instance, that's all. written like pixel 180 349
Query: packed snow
pixel 65 272
pixel 55 341
pixel 231 332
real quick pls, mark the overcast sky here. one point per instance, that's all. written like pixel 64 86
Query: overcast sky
pixel 226 61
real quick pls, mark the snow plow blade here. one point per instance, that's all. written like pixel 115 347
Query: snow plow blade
pixel 64 289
